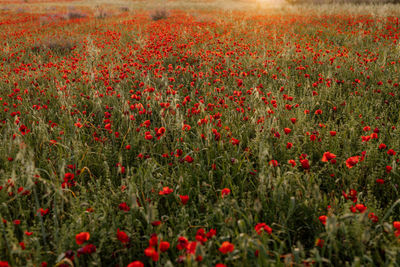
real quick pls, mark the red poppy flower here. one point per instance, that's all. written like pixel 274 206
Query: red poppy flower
pixel 151 253
pixel 388 169
pixel 361 208
pixel 391 152
pixel 382 146
pixel 323 219
pixel 164 246
pixel 24 130
pixel 182 243
pixel 352 161
pixel 234 141
pixel 123 206
pixel 135 264
pixel 225 191
pixel 153 240
pixel 305 164
pixel 292 162
pixel 122 236
pixel 328 156
pixel 165 191
pixel 184 199
pixel 189 159
pixel 82 238
pixel 373 217
pixel 273 163
pixel 262 227
pixel 226 247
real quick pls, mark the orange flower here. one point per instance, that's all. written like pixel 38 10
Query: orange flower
pixel 226 247
pixel 82 238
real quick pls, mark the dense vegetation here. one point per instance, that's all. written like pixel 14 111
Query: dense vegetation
pixel 236 137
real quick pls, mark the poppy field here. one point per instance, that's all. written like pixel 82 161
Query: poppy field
pixel 199 136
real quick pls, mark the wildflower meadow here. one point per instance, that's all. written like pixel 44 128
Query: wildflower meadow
pixel 199 133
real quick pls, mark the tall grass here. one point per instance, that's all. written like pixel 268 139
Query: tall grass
pixel 247 138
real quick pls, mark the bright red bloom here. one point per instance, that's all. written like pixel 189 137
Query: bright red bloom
pixel 391 152
pixel 182 243
pixel 396 224
pixel 287 130
pixel 211 233
pixel 323 219
pixel 226 247
pixel 234 141
pixel 122 236
pixel 328 156
pixel 184 199
pixel 292 162
pixel 305 164
pixel 189 159
pixel 160 132
pixel 23 129
pixel 28 233
pixel 153 240
pixel 165 191
pixel 123 206
pixel 43 211
pixel 4 264
pixel 201 236
pixel 135 264
pixel 164 246
pixel 82 238
pixel 152 253
pixel 350 162
pixel 273 163
pixel 225 191
pixel 373 217
pixel 388 169
pixel 262 227
pixel 361 208
pixel 191 247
